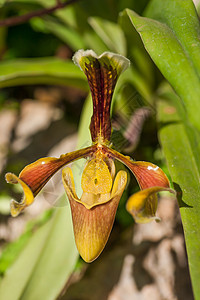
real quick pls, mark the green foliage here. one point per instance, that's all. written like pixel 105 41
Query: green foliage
pixel 181 145
pixel 2 2
pixel 13 249
pixel 178 57
pixel 49 253
pixel 163 45
pixel 110 33
pixel 171 38
pixel 41 70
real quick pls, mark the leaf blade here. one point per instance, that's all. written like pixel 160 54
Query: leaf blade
pixel 42 70
pixel 9 283
pixel 170 57
pixel 181 17
pixel 64 253
pixel 185 173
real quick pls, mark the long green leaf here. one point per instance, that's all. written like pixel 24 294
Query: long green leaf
pixel 68 35
pixel 178 139
pixel 170 56
pixel 136 51
pixel 42 70
pixel 11 287
pixel 12 250
pixel 110 33
pixel 181 17
pixel 45 263
pixel 56 261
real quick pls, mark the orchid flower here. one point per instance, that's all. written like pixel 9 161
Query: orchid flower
pixel 94 213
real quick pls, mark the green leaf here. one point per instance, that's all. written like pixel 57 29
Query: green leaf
pixel 181 17
pixel 41 70
pixel 94 42
pixel 68 16
pixel 56 261
pixel 2 2
pixel 110 33
pixel 12 250
pixel 24 265
pixel 68 35
pixel 136 51
pixel 181 146
pixel 167 50
pixel 45 263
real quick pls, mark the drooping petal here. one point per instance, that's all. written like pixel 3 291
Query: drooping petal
pixel 34 176
pixel 147 174
pixel 28 197
pixel 143 205
pixel 102 73
pixel 92 226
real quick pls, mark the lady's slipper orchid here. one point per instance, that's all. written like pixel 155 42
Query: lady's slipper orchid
pixel 94 213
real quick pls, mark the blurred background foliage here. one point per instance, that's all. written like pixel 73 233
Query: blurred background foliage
pixel 45 110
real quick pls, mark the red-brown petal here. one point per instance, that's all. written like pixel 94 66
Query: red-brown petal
pixel 147 174
pixel 34 176
pixel 102 73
